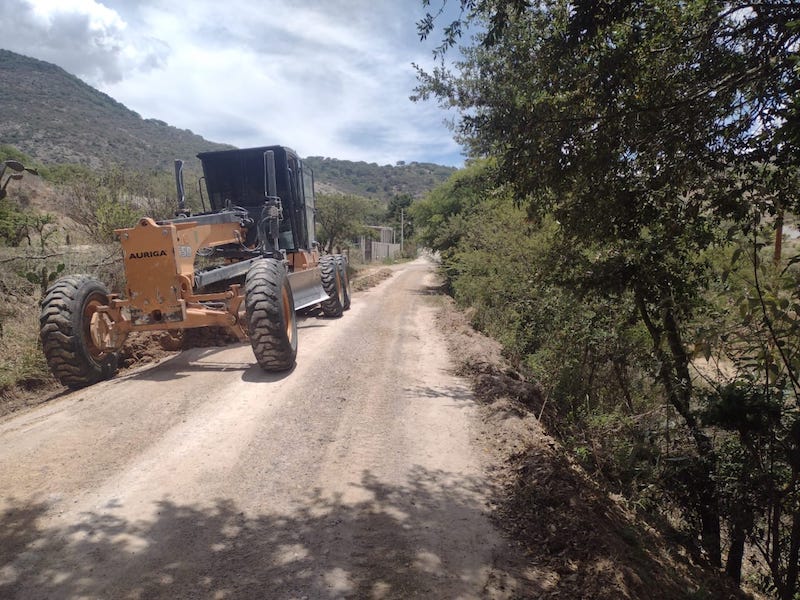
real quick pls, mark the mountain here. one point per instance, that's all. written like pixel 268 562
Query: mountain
pixel 54 117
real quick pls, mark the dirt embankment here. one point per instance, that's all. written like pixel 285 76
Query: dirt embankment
pixel 368 277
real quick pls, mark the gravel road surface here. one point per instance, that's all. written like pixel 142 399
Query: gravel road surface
pixel 357 475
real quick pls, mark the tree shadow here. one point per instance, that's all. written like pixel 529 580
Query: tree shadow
pixel 429 290
pixel 461 396
pixel 390 542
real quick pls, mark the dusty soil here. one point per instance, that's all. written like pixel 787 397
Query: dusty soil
pixel 402 458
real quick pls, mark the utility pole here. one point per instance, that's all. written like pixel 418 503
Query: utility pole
pixel 402 233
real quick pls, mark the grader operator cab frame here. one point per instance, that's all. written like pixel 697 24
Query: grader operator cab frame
pixel 246 265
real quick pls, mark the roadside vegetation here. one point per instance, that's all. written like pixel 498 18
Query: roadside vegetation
pixel 344 218
pixel 620 231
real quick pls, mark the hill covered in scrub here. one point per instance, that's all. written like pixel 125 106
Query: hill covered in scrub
pixel 378 181
pixel 55 117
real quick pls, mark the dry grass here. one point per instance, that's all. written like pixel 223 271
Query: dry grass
pixel 20 355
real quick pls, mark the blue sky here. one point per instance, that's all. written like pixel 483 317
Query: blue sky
pixel 326 77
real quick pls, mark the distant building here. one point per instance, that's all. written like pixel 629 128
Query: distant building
pixel 379 248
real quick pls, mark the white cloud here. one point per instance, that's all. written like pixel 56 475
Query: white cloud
pixel 100 19
pixel 84 37
pixel 329 79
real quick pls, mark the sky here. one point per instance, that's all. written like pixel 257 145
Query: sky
pixel 325 77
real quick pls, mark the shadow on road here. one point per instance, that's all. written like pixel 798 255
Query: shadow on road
pixel 391 544
pixel 429 290
pixel 196 360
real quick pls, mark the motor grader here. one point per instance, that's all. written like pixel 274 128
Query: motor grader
pixel 246 265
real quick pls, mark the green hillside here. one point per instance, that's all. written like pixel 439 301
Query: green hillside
pixel 375 181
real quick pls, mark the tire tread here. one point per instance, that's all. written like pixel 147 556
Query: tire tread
pixel 60 333
pixel 273 350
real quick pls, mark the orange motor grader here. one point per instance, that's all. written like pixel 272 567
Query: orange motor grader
pixel 246 265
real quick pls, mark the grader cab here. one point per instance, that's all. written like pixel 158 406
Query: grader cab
pixel 246 265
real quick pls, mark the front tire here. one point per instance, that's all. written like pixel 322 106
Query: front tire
pixel 271 320
pixel 341 263
pixel 65 332
pixel 332 284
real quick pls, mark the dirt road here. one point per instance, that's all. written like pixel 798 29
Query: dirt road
pixel 356 475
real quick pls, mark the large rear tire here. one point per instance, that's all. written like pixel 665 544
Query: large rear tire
pixel 332 284
pixel 65 332
pixel 271 320
pixel 341 261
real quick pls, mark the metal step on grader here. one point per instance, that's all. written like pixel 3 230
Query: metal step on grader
pixel 246 266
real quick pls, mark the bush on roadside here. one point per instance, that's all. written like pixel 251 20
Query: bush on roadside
pixel 594 358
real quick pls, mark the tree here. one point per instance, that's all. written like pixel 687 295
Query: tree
pixel 636 125
pixel 339 218
pixel 441 215
pixel 100 202
pixel 13 223
pixel 760 403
